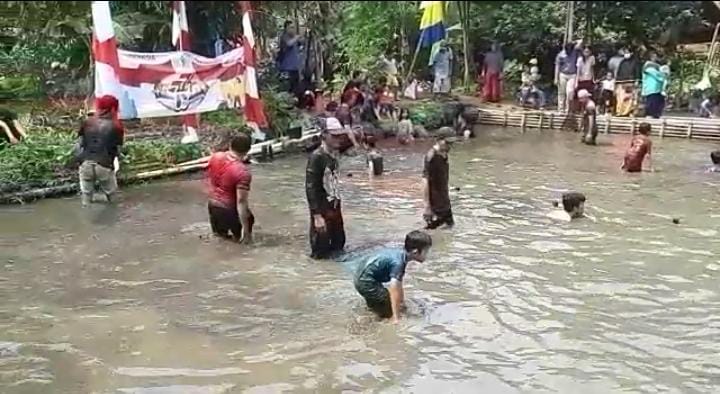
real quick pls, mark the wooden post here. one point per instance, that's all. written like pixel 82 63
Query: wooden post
pixel 552 118
pixel 632 127
pixel 542 116
pixel 522 122
pixel 608 121
pixel 505 119
pixel 690 129
pixel 662 128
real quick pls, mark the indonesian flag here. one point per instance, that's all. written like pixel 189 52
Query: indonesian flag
pixel 104 49
pixel 181 42
pixel 254 111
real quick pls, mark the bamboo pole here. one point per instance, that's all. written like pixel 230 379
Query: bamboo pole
pixel 552 118
pixel 608 121
pixel 540 121
pixel 522 122
pixel 505 121
pixel 690 129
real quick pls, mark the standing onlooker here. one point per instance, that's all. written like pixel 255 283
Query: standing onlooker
pixel 614 62
pixel 100 139
pixel 607 95
pixel 436 193
pixel 288 57
pixel 390 71
pixel 493 64
pixel 229 188
pixel 327 232
pixel 585 73
pixel 565 74
pixel 653 85
pixel 626 79
pixel 12 130
pixel 442 68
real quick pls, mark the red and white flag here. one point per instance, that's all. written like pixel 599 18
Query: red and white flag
pixel 181 42
pixel 254 111
pixel 104 50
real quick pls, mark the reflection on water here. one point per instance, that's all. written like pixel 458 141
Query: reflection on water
pixel 138 299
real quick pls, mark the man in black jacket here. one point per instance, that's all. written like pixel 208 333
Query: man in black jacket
pixel 327 234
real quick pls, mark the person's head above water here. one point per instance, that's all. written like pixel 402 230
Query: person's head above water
pixel 240 144
pixel 417 245
pixel 715 157
pixel 442 145
pixel 574 204
pixel 644 129
pixel 333 134
pixel 404 114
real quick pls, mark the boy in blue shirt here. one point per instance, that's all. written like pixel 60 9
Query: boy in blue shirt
pixel 388 266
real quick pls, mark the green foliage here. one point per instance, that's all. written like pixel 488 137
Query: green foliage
pixel 280 110
pixel 226 118
pixel 163 152
pixel 429 115
pixel 19 86
pixel 38 160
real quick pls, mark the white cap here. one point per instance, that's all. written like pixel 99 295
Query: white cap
pixel 333 126
pixel 583 94
pixel 533 61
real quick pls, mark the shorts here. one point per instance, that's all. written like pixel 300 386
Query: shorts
pixel 440 218
pixel 225 222
pixel 92 173
pixel 376 296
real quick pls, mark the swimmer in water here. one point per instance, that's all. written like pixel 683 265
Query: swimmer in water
pixel 640 148
pixel 715 157
pixel 573 204
pixel 388 266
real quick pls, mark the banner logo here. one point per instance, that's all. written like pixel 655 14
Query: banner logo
pixel 180 94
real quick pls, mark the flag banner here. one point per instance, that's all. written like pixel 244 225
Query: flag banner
pixel 179 83
pixel 432 27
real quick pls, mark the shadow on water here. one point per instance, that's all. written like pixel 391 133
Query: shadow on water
pixel 137 297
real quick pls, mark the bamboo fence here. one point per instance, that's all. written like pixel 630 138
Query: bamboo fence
pixel 680 127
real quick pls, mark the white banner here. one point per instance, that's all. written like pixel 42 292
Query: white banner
pixel 179 83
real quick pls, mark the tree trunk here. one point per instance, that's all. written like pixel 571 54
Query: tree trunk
pixel 588 23
pixel 464 11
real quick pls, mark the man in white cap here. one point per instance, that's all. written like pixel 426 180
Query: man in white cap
pixel 589 123
pixel 327 233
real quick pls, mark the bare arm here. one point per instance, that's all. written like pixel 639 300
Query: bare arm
pixel 20 129
pixel 243 207
pixel 397 296
pixel 9 133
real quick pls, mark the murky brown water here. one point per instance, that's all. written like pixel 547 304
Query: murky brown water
pixel 137 299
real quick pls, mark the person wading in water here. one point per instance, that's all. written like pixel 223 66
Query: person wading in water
pixel 100 139
pixel 436 194
pixel 327 234
pixel 589 122
pixel 229 188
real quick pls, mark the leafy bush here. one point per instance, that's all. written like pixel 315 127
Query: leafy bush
pixel 228 118
pixel 429 115
pixel 40 160
pixel 19 86
pixel 135 153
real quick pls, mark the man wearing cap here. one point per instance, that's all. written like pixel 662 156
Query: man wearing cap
pixel 327 234
pixel 589 124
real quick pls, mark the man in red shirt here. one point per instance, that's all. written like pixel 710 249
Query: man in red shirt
pixel 640 146
pixel 229 187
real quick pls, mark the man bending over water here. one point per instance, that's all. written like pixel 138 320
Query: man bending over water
pixel 573 204
pixel 327 233
pixel 229 187
pixel 436 194
pixel 388 266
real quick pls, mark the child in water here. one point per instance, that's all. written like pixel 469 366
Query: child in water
pixel 573 204
pixel 374 159
pixel 640 146
pixel 405 127
pixel 388 266
pixel 715 157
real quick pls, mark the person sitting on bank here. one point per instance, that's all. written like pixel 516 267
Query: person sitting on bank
pixel 436 193
pixel 388 266
pixel 229 179
pixel 12 131
pixel 327 232
pixel 708 107
pixel 589 123
pixel 715 157
pixel 573 207
pixel 640 147
pixel 100 139
pixel 374 159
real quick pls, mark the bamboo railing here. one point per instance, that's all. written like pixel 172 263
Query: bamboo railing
pixel 680 127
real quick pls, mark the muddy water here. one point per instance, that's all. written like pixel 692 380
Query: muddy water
pixel 136 298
